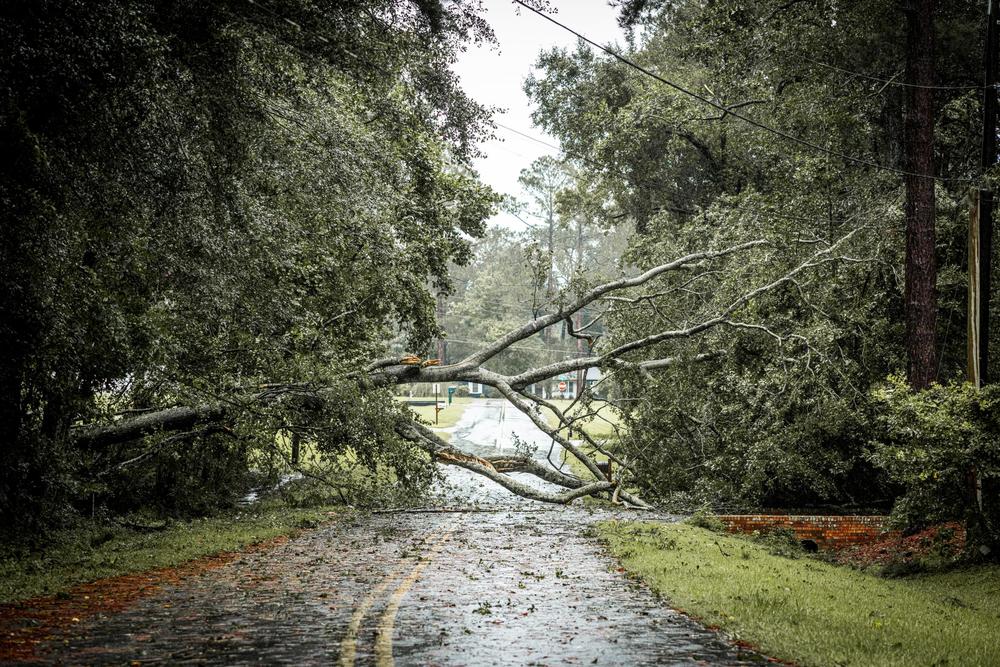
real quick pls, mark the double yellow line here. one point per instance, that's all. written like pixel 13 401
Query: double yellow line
pixel 386 624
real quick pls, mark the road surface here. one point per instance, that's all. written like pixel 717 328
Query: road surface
pixel 521 583
pixel 491 427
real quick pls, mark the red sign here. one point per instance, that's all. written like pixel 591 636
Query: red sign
pixel 562 386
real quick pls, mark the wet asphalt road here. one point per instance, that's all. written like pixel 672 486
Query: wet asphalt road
pixel 519 584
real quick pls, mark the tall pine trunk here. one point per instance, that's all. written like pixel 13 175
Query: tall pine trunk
pixel 921 270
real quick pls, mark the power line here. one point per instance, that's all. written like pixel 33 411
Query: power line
pixel 730 111
pixel 578 156
pixel 891 82
pixel 682 211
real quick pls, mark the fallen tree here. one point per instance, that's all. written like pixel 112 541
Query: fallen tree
pixel 407 369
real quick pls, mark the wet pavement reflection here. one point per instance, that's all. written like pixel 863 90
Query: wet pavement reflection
pixel 494 581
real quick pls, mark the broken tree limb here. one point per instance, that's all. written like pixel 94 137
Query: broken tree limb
pixel 545 321
pixel 404 369
pixel 424 438
pixel 170 419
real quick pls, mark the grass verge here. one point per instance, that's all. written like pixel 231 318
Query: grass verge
pixel 602 426
pixel 448 417
pixel 96 550
pixel 598 428
pixel 811 612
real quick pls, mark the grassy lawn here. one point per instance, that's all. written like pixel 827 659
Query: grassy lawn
pixel 96 550
pixel 596 427
pixel 447 417
pixel 808 611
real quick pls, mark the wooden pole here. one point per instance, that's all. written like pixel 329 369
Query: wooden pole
pixel 973 352
pixel 442 345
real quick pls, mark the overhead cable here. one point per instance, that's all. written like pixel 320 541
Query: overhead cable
pixel 736 114
pixel 889 82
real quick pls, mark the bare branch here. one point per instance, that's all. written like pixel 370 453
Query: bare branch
pixel 544 321
pixel 426 439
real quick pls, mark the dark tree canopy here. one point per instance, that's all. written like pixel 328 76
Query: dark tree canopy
pixel 205 196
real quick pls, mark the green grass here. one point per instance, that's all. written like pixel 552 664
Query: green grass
pixel 596 427
pixel 811 612
pixel 447 417
pixel 95 550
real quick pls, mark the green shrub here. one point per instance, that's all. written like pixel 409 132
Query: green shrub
pixel 935 443
pixel 704 518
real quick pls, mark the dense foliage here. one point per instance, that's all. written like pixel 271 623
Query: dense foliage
pixel 203 198
pixel 943 447
pixel 784 415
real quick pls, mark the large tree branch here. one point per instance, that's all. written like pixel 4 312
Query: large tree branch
pixel 427 440
pixel 170 419
pixel 408 368
pixel 539 323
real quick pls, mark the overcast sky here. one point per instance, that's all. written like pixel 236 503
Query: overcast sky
pixel 494 76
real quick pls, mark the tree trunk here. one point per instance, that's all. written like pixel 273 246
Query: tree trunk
pixel 921 270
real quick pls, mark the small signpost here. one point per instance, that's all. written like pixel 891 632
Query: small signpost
pixel 451 394
pixel 562 386
pixel 437 401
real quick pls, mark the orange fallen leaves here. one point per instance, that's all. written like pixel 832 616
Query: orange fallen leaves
pixel 26 624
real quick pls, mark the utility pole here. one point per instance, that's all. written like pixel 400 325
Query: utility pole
pixel 442 344
pixel 980 255
pixel 581 374
pixel 981 220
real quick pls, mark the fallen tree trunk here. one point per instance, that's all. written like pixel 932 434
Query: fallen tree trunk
pixel 428 440
pixel 411 369
pixel 126 430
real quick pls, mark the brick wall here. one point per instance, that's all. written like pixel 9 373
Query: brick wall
pixel 828 532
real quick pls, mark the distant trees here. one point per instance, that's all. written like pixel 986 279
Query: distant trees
pixel 516 275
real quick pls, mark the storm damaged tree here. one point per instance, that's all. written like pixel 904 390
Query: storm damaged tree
pixel 645 355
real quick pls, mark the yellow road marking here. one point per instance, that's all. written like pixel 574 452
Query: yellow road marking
pixel 383 642
pixel 349 644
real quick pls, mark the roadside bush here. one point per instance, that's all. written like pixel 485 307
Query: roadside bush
pixel 780 542
pixel 704 518
pixel 937 443
pixel 197 478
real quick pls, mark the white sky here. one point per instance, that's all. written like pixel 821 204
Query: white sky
pixel 494 77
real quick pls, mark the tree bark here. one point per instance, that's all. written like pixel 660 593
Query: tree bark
pixel 170 419
pixel 920 292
